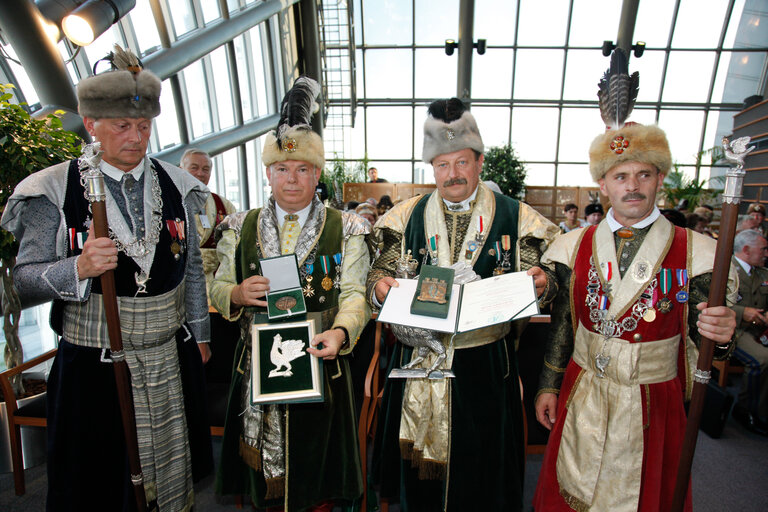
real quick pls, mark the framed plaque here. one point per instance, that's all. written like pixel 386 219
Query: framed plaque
pixel 281 369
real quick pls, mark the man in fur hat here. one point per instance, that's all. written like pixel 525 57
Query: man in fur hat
pixel 298 456
pixel 593 213
pixel 153 250
pixel 457 444
pixel 631 303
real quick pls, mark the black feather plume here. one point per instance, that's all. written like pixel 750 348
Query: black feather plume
pixel 297 107
pixel 617 91
pixel 447 110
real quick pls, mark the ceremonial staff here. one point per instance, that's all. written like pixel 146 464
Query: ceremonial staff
pixel 93 180
pixel 735 152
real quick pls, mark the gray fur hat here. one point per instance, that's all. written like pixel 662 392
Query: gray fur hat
pixel 125 91
pixel 449 127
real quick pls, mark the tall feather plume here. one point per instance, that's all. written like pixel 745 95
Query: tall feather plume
pixel 617 91
pixel 297 107
pixel 125 59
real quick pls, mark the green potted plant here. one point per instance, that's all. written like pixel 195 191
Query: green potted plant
pixel 502 166
pixel 26 145
pixel 339 174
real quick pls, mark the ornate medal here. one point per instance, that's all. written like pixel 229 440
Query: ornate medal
pixel 682 281
pixel 433 249
pixel 337 279
pixel 491 252
pixel 176 249
pixel 308 291
pixel 601 362
pixel 664 305
pixel 327 282
pixel 641 271
pixel 285 303
pixel 141 282
pixel 650 315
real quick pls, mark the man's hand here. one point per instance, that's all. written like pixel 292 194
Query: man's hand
pixel 250 292
pixel 205 351
pixel 98 256
pixel 332 341
pixel 716 323
pixel 546 409
pixel 754 316
pixel 382 288
pixel 539 279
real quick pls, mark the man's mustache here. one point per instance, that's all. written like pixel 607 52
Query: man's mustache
pixel 455 181
pixel 632 196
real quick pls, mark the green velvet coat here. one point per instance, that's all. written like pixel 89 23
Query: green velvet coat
pixel 322 454
pixel 487 453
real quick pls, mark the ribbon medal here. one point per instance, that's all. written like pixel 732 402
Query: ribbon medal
pixel 327 282
pixel 433 249
pixel 664 305
pixel 77 239
pixel 682 281
pixel 308 291
pixel 337 279
pixel 176 229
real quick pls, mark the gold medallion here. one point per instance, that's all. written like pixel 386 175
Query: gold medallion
pixel 285 303
pixel 175 247
pixel 650 315
pixel 326 283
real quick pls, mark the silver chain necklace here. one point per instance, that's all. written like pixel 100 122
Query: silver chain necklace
pixel 608 326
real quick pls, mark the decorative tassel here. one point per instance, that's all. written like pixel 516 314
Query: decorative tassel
pixel 275 488
pixel 250 455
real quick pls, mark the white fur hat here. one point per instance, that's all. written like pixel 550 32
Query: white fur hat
pixel 293 139
pixel 449 127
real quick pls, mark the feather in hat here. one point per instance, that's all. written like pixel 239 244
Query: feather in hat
pixel 297 107
pixel 618 91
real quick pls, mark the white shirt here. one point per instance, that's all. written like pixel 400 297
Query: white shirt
pixel 461 206
pixel 616 225
pixel 280 214
pixel 746 266
pixel 117 174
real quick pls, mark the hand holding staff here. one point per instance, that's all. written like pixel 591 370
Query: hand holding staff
pixel 95 191
pixel 735 152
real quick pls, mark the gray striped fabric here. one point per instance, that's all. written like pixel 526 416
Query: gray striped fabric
pixel 148 326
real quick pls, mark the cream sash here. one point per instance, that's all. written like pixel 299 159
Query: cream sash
pixel 599 464
pixel 426 413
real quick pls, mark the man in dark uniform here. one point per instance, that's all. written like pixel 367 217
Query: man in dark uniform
pixel 154 253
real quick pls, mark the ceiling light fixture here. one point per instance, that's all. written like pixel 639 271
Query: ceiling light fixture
pixel 86 23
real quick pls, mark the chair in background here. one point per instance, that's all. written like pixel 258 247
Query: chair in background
pixel 30 414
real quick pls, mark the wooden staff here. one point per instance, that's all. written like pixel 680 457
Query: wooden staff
pixel 96 196
pixel 723 253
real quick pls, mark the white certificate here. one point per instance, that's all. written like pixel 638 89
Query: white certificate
pixel 490 301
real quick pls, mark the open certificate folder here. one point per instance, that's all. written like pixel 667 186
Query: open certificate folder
pixel 473 305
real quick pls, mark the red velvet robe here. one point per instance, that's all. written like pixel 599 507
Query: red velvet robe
pixel 662 403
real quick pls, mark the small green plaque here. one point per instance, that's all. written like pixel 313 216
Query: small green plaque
pixel 433 292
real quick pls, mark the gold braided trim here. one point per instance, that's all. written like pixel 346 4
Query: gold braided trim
pixel 554 391
pixel 575 385
pixel 275 488
pixel 647 406
pixel 574 502
pixel 250 455
pixel 553 367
